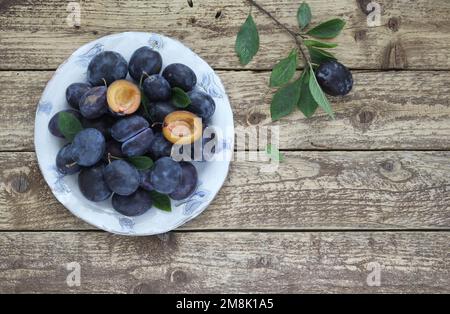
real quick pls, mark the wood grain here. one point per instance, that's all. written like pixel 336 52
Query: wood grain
pixel 225 262
pixel 412 35
pixel 388 110
pixel 310 190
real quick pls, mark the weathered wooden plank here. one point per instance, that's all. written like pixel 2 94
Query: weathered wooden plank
pixel 389 110
pixel 226 262
pixel 412 35
pixel 310 190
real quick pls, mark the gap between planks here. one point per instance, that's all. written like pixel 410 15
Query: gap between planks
pixel 391 230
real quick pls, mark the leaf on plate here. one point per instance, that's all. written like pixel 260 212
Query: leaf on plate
pixel 141 162
pixel 161 201
pixel 69 125
pixel 180 98
pixel 144 106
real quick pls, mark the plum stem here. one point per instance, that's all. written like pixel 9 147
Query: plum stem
pixel 112 157
pixel 142 78
pixel 294 35
pixel 157 123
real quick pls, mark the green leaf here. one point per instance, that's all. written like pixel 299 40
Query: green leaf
pixel 141 162
pixel 284 100
pixel 318 95
pixel 247 41
pixel 306 102
pixel 179 98
pixel 319 56
pixel 284 70
pixel 328 29
pixel 304 15
pixel 144 105
pixel 69 125
pixel 274 153
pixel 161 201
pixel 319 44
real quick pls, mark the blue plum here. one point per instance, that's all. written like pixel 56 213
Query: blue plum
pixel 128 127
pixel 146 183
pixel 64 162
pixel 121 177
pixel 53 125
pixel 139 144
pixel 113 149
pixel 159 110
pixel 88 147
pixel 166 175
pixel 93 104
pixel 144 61
pixel 75 92
pixel 92 184
pixel 102 124
pixel 156 88
pixel 181 76
pixel 107 67
pixel 133 205
pixel 188 183
pixel 334 78
pixel 160 147
pixel 202 104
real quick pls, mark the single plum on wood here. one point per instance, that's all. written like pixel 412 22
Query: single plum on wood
pixel 334 78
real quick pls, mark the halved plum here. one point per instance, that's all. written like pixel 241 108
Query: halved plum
pixel 124 97
pixel 182 127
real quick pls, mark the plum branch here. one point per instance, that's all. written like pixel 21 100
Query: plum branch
pixel 294 35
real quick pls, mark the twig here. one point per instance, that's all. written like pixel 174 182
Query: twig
pixel 288 30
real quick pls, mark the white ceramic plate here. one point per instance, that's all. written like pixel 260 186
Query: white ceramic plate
pixel 211 174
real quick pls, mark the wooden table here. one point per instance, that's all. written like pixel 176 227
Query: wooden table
pixel 367 192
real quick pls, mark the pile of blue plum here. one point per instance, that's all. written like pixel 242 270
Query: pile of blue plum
pixel 117 127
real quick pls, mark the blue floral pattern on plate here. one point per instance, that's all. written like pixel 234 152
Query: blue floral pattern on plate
pixel 209 84
pixel 193 202
pixel 156 42
pixel 45 107
pixel 59 186
pixel 84 59
pixel 127 224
